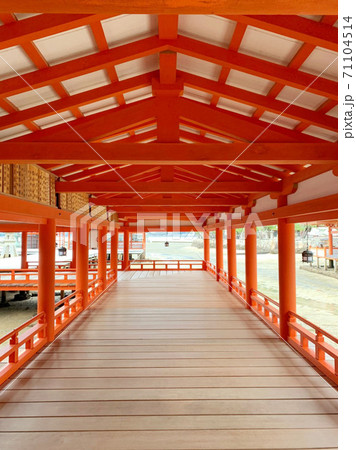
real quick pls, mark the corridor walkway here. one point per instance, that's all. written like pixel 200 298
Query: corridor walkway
pixel 167 361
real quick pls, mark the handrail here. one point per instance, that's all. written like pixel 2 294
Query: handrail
pixel 211 268
pixel 223 276
pixel 238 288
pixel 19 277
pixel 67 309
pixel 22 346
pixel 313 346
pixel 166 264
pixel 261 305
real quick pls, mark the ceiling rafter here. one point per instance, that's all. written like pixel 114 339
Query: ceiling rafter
pixel 232 124
pixel 222 187
pixel 259 101
pixel 252 65
pixel 296 27
pixel 168 154
pixel 98 126
pixel 174 7
pixel 82 65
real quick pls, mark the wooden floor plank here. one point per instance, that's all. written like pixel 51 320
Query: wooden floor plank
pixel 165 363
pixel 169 382
pixel 196 422
pixel 167 394
pixel 168 360
pixel 176 440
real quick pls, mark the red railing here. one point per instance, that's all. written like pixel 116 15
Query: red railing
pixel 211 268
pixel 95 287
pixel 13 279
pixel 147 264
pixel 239 289
pixel 27 339
pixel 266 308
pixel 22 344
pixel 223 277
pixel 312 345
pixel 67 309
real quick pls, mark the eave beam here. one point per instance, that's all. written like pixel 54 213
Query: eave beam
pixel 167 153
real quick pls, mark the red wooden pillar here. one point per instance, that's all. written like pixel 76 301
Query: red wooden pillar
pixel 73 263
pixel 206 248
pixel 126 257
pixel 82 259
pixel 231 255
pixel 144 244
pixel 46 274
pixel 286 270
pixel 219 251
pixel 102 254
pixel 24 264
pixel 114 249
pixel 330 241
pixel 250 259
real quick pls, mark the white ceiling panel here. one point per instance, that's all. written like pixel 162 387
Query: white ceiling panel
pixel 138 94
pixel 22 16
pixel 249 82
pixel 117 138
pixel 301 98
pixel 269 46
pixel 333 112
pixel 188 129
pixel 86 82
pixel 236 107
pixel 128 28
pixel 99 106
pixel 54 119
pixel 137 67
pixel 198 67
pixel 146 129
pixel 198 96
pixel 13 132
pixel 200 27
pixel 314 18
pixel 13 61
pixel 321 133
pixel 33 97
pixel 218 138
pixel 66 46
pixel 3 112
pixel 282 121
pixel 321 62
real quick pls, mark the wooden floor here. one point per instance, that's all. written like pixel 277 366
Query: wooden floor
pixel 168 361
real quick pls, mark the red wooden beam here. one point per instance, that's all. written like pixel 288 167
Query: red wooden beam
pixel 168 202
pixel 237 125
pixel 305 30
pixel 77 100
pixel 168 187
pixel 257 100
pixel 173 6
pixel 23 31
pixel 167 154
pixel 167 209
pixel 82 66
pixel 98 126
pixel 254 66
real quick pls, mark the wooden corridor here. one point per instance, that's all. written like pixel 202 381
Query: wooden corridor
pixel 167 362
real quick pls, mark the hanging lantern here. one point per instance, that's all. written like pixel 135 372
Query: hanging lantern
pixel 307 255
pixel 166 244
